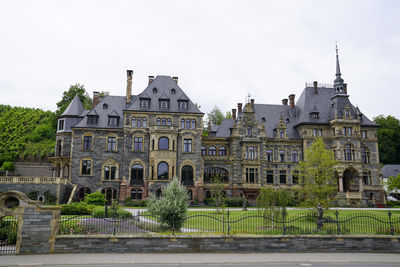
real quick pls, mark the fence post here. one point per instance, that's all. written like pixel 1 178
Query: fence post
pixel 390 223
pixel 228 223
pixel 283 221
pixel 337 222
pixel 105 211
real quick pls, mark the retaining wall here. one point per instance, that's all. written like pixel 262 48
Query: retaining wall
pixel 143 244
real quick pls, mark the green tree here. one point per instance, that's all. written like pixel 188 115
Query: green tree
pixel 67 97
pixel 215 116
pixel 316 173
pixel 388 139
pixel 95 198
pixel 171 208
pixel 393 183
pixel 218 193
pixel 273 204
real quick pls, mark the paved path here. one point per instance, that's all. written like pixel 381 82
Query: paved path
pixel 199 258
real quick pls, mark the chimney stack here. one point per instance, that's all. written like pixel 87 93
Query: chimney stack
pixel 129 74
pixel 240 107
pixel 151 79
pixel 316 87
pixel 345 88
pixel 96 99
pixel 175 79
pixel 252 103
pixel 234 113
pixel 284 101
pixel 291 100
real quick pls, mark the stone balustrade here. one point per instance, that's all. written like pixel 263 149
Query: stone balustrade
pixel 31 180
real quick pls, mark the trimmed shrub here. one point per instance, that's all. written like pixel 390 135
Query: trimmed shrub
pixel 49 198
pixel 8 166
pixel 112 213
pixel 95 198
pixel 137 203
pixel 77 208
pixel 208 201
pixel 33 195
pixel 235 202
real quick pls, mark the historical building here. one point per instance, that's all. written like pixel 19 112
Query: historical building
pixel 133 145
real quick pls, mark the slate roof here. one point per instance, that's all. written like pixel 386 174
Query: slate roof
pixel 390 170
pixel 115 106
pixel 323 102
pixel 164 85
pixel 74 109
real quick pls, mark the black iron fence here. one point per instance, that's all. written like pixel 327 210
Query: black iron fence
pixel 237 222
pixel 8 235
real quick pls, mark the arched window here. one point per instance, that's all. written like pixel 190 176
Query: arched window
pixel 208 194
pixel 163 143
pixel 212 151
pixel 190 193
pixel 82 192
pixel 158 121
pixel 136 194
pixel 187 175
pixel 139 194
pixel 133 194
pixel 214 172
pixel 136 174
pixel 162 171
pixel 222 151
pixel 110 193
pixel 203 150
pixel 159 192
pixel 365 155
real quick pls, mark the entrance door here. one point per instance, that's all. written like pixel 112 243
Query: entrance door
pixel 8 235
pixel 349 178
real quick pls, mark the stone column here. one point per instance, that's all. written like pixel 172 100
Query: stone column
pixel 360 184
pixel 340 182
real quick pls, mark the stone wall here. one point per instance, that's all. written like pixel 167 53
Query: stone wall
pixel 140 244
pixel 40 169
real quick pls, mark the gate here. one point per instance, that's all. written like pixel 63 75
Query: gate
pixel 8 235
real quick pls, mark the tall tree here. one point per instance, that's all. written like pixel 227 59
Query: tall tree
pixel 393 183
pixel 316 173
pixel 73 90
pixel 215 116
pixel 388 139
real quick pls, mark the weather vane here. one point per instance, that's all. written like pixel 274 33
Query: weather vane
pixel 248 97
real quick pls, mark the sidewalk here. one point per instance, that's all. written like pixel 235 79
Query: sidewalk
pixel 200 258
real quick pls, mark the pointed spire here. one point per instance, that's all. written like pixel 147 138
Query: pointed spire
pixel 338 82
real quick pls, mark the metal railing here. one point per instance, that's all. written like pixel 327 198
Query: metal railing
pixel 237 222
pixel 8 235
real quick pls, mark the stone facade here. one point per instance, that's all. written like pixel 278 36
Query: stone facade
pixel 133 145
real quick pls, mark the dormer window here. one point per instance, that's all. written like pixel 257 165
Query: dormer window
pixel 144 103
pixel 155 90
pixel 314 115
pixel 105 106
pixel 92 119
pixel 164 103
pixel 61 125
pixel 112 121
pixel 346 113
pixel 183 104
pixel 249 131
pixel 173 91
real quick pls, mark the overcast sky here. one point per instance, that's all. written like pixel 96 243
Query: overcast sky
pixel 220 50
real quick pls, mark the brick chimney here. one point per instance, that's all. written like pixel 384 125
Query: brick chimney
pixel 96 99
pixel 175 79
pixel 291 100
pixel 252 103
pixel 151 79
pixel 240 105
pixel 345 88
pixel 234 113
pixel 316 87
pixel 284 101
pixel 129 74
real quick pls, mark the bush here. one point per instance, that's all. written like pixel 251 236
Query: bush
pixel 49 198
pixel 8 166
pixel 112 213
pixel 8 231
pixel 95 198
pixel 391 203
pixel 33 195
pixel 77 208
pixel 171 208
pixel 137 203
pixel 208 201
pixel 235 202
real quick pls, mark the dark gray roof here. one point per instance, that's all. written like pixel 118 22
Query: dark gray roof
pixel 115 105
pixel 224 128
pixel 390 170
pixel 326 104
pixel 75 108
pixel 164 85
